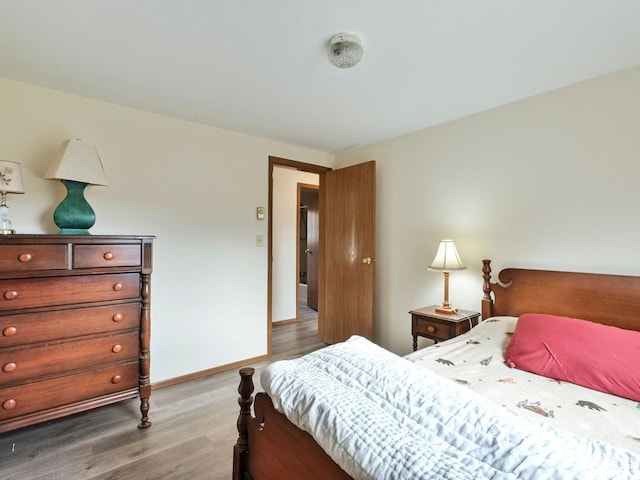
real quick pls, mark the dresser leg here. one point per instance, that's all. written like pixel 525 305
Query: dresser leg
pixel 145 393
pixel 144 409
pixel 145 354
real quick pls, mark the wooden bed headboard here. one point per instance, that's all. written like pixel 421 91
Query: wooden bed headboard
pixel 608 299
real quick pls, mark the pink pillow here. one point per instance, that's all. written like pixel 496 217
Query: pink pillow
pixel 596 356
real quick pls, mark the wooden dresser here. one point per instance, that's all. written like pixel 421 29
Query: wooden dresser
pixel 75 325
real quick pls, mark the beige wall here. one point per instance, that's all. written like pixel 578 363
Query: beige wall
pixel 550 182
pixel 195 187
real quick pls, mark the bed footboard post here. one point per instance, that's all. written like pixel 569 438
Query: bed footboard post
pixel 241 448
pixel 487 301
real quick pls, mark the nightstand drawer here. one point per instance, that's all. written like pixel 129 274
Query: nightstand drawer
pixel 46 360
pixel 433 329
pixel 28 328
pixel 99 256
pixel 16 258
pixel 41 292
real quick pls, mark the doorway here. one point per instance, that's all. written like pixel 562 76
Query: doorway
pixel 346 251
pixel 281 243
pixel 308 245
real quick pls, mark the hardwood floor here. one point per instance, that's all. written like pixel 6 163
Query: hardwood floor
pixel 192 436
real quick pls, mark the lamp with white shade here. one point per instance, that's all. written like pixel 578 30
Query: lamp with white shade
pixel 10 182
pixel 446 260
pixel 76 166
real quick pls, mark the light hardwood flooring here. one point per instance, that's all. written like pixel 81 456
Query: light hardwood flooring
pixel 192 436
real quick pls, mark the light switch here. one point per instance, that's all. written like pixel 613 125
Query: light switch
pixel 260 213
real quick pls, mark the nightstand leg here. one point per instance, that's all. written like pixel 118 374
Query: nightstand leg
pixel 415 343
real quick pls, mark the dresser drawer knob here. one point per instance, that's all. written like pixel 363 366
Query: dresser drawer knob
pixel 108 256
pixel 116 379
pixel 25 257
pixel 10 294
pixel 9 404
pixel 117 287
pixel 116 348
pixel 118 317
pixel 9 331
pixel 431 329
pixel 9 367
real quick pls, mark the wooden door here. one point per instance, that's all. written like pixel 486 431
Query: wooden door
pixel 347 254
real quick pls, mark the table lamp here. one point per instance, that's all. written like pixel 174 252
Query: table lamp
pixel 10 182
pixel 446 259
pixel 76 166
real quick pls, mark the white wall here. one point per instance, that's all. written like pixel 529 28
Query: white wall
pixel 550 182
pixel 195 187
pixel 285 239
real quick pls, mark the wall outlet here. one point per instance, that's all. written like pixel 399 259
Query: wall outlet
pixel 259 241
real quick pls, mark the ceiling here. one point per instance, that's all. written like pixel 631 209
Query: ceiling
pixel 260 66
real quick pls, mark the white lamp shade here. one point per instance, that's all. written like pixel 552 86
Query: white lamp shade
pixel 78 161
pixel 447 257
pixel 11 177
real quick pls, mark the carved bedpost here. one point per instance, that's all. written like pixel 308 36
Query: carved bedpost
pixel 241 448
pixel 487 302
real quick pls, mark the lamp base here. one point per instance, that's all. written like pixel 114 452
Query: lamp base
pixel 74 231
pixel 446 309
pixel 6 228
pixel 74 215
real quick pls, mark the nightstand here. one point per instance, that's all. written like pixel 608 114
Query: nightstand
pixel 426 322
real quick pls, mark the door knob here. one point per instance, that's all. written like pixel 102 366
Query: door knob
pixel 367 260
pixel 306 250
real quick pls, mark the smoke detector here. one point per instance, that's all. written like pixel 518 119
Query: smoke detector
pixel 345 50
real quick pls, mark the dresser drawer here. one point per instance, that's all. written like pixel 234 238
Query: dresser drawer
pixel 97 256
pixel 51 393
pixel 19 364
pixel 40 292
pixel 17 258
pixel 55 325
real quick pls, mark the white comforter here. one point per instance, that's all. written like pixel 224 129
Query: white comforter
pixel 379 416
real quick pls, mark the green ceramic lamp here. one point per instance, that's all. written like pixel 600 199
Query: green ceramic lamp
pixel 77 165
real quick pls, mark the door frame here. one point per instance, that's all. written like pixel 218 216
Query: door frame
pixel 303 167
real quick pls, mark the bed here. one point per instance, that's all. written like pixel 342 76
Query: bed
pixel 525 431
